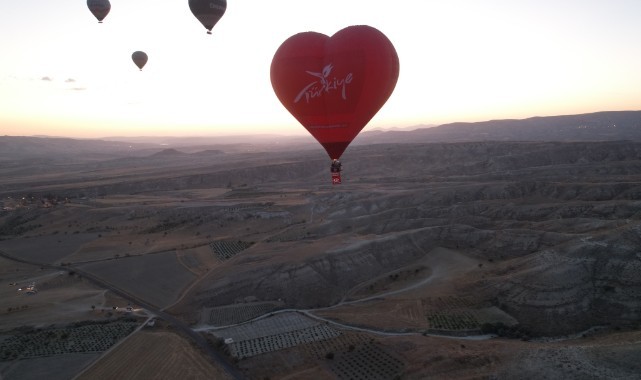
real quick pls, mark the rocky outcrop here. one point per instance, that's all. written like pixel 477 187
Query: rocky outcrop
pixel 319 281
pixel 557 221
pixel 587 282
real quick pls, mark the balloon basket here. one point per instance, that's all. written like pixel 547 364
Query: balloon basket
pixel 336 178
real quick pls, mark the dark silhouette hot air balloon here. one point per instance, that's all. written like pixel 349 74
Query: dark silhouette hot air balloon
pixel 208 12
pixel 335 85
pixel 139 58
pixel 99 8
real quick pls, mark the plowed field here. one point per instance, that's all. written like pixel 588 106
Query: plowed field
pixel 153 355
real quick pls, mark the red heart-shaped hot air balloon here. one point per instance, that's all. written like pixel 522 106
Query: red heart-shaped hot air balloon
pixel 334 85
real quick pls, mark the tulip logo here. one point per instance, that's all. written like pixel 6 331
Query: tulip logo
pixel 324 84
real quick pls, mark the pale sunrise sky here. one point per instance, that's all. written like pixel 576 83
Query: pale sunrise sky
pixel 64 74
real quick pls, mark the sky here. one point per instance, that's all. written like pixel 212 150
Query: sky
pixel 64 74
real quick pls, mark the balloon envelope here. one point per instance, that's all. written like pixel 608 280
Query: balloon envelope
pixel 139 58
pixel 208 12
pixel 334 85
pixel 99 8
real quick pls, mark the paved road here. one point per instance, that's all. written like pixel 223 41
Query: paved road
pixel 179 325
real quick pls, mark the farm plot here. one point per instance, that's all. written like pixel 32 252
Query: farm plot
pixel 388 315
pixel 156 278
pixel 367 362
pixel 344 342
pixel 272 325
pixel 284 364
pixel 190 261
pixel 447 303
pixel 294 233
pixel 46 249
pixel 454 314
pixel 148 355
pixel 226 249
pixel 452 320
pixel 92 337
pixel 237 313
pixel 60 299
pixel 274 333
pixel 494 315
pixel 58 367
pixel 262 345
pixel 10 270
pixel 394 280
pixel 305 361
pixel 198 260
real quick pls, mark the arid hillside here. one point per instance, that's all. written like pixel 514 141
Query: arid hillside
pixel 536 242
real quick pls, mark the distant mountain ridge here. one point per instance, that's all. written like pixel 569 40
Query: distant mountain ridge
pixel 597 126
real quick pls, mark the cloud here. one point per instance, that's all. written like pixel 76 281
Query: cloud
pixel 70 83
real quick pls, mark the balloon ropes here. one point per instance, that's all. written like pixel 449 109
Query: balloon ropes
pixel 335 85
pixel 139 58
pixel 208 12
pixel 99 8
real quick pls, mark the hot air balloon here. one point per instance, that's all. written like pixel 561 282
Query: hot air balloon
pixel 139 58
pixel 335 85
pixel 99 8
pixel 208 12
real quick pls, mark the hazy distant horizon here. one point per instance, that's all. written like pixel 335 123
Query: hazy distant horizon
pixel 463 61
pixel 301 132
